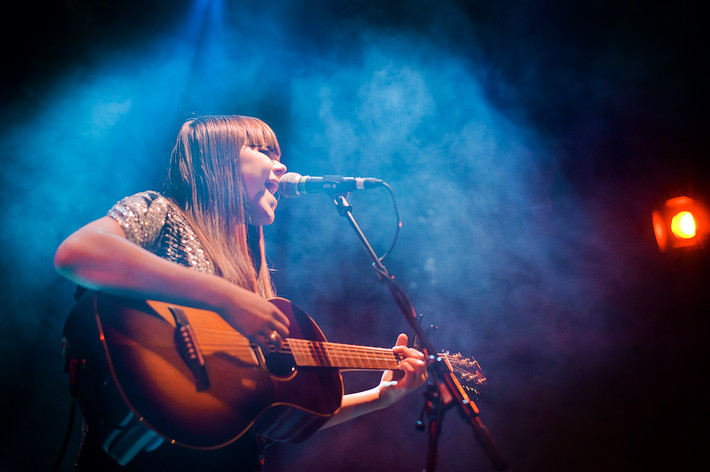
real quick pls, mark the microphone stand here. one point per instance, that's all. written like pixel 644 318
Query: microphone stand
pixel 441 377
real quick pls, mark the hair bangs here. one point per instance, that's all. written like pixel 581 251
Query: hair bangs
pixel 260 135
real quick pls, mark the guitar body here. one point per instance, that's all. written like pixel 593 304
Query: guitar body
pixel 246 389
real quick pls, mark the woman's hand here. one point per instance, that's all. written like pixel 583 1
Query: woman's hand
pixel 412 373
pixel 395 384
pixel 255 318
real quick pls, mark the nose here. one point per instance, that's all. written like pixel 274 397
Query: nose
pixel 278 169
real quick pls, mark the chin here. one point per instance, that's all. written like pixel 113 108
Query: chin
pixel 262 212
pixel 263 219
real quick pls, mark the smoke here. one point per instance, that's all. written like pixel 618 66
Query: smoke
pixel 493 141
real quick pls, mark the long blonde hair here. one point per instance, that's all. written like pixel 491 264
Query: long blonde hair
pixel 205 182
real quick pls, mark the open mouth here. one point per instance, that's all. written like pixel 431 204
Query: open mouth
pixel 272 187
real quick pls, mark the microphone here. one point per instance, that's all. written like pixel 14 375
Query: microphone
pixel 292 185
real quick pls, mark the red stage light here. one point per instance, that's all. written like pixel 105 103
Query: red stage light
pixel 681 222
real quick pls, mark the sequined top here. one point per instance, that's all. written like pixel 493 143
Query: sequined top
pixel 154 223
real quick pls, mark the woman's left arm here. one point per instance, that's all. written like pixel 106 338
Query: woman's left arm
pixel 394 385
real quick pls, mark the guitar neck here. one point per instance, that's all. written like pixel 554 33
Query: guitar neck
pixel 308 353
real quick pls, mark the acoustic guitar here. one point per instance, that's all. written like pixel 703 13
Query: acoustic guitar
pixel 189 376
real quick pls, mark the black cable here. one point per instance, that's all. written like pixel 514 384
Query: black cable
pixel 67 437
pixel 399 223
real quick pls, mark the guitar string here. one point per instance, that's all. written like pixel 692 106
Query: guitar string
pixel 290 345
pixel 227 339
pixel 235 335
pixel 315 352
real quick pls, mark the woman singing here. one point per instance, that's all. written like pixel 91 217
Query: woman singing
pixel 200 244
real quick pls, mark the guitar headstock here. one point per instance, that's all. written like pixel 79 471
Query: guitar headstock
pixel 468 371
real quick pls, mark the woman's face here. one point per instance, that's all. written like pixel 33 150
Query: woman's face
pixel 260 174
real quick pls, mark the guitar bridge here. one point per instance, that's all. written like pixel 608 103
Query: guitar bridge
pixel 189 350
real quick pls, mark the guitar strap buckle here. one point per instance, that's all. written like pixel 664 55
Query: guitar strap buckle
pixel 129 438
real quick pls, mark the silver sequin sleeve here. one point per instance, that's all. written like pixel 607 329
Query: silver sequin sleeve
pixel 152 222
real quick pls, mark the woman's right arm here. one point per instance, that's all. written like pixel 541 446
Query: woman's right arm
pixel 98 256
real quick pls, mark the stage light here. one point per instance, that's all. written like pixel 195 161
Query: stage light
pixel 681 222
pixel 683 225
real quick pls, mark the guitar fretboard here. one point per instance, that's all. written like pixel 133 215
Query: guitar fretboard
pixel 308 353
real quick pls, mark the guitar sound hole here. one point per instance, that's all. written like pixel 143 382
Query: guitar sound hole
pixel 280 365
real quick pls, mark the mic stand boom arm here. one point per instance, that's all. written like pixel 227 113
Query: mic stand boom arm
pixel 439 372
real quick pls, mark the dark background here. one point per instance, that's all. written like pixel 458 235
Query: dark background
pixel 526 142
